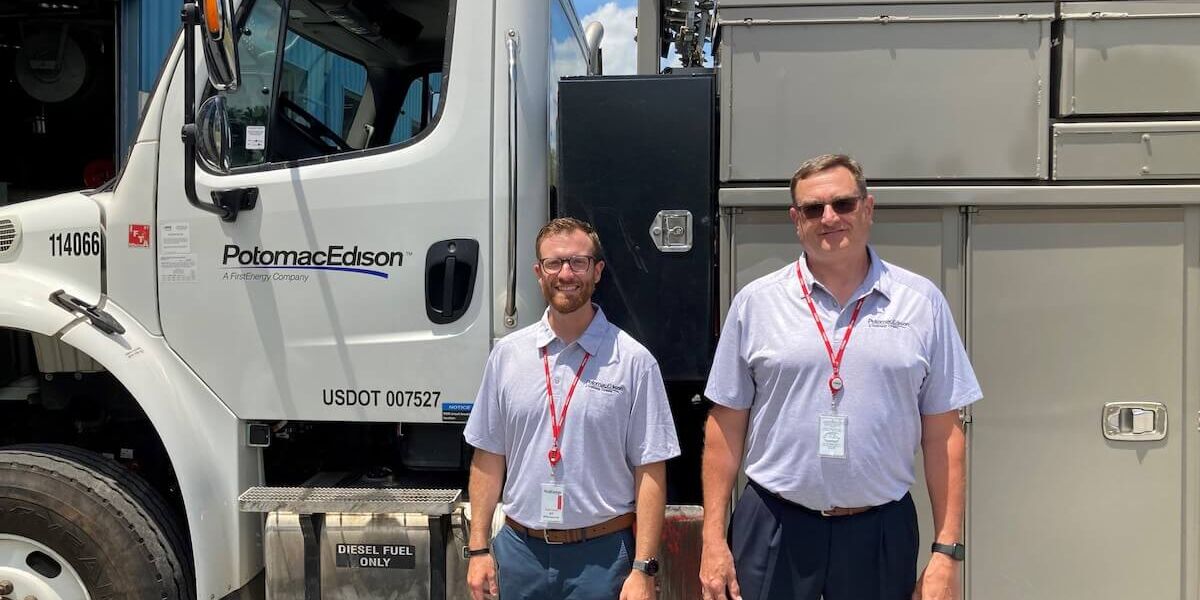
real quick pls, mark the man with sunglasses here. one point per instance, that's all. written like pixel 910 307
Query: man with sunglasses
pixel 828 376
pixel 572 421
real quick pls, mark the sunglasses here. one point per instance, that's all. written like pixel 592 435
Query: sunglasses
pixel 840 206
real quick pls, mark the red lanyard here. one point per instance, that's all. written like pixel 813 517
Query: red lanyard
pixel 835 381
pixel 556 425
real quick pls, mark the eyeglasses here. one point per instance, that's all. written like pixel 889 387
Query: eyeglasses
pixel 579 264
pixel 840 206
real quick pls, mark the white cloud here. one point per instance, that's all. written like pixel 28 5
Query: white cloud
pixel 619 46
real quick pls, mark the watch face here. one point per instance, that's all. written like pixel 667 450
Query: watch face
pixel 649 567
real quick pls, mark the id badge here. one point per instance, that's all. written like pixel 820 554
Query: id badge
pixel 832 436
pixel 552 503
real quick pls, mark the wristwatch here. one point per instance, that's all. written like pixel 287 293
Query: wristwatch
pixel 956 551
pixel 468 553
pixel 648 566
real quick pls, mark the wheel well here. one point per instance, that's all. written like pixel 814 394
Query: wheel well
pixel 59 395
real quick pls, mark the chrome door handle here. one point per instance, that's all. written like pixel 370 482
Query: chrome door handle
pixel 510 302
pixel 1134 421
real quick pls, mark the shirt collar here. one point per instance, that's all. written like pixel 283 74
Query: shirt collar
pixel 877 280
pixel 592 338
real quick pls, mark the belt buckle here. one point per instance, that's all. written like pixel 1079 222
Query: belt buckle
pixel 546 538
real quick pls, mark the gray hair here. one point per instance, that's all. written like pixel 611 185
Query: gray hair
pixel 825 162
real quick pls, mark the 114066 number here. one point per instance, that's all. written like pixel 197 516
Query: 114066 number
pixel 75 243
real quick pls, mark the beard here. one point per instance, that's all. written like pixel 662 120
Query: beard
pixel 569 303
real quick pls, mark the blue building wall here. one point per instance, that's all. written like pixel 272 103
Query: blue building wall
pixel 148 31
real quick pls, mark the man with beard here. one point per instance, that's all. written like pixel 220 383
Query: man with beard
pixel 574 483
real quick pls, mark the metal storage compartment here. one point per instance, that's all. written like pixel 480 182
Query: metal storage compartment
pixel 353 562
pixel 802 80
pixel 636 162
pixel 1155 150
pixel 1130 57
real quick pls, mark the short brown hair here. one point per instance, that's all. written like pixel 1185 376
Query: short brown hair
pixel 825 162
pixel 564 225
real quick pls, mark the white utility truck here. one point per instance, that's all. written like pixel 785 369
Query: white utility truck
pixel 243 366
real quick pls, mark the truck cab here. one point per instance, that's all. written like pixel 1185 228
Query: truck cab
pixel 326 258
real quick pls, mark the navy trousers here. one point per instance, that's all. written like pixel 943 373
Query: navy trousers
pixel 529 568
pixel 784 550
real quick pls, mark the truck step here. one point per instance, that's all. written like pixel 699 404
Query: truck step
pixel 318 500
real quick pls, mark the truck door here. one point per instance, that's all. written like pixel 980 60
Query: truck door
pixel 352 288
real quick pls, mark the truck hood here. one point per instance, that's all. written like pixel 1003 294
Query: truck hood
pixel 51 244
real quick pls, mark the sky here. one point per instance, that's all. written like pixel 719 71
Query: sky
pixel 617 16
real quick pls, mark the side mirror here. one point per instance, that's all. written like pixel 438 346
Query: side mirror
pixel 593 34
pixel 212 133
pixel 220 46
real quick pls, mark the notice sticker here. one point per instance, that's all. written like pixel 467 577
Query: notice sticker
pixel 256 137
pixel 456 412
pixel 177 268
pixel 175 238
pixel 375 556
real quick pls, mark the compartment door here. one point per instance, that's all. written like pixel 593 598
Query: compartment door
pixel 1130 58
pixel 899 87
pixel 1072 310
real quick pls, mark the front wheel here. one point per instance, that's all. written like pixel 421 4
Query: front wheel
pixel 75 525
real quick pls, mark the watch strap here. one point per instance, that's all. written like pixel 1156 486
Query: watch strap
pixel 955 551
pixel 468 552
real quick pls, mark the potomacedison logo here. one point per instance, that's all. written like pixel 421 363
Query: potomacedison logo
pixel 332 258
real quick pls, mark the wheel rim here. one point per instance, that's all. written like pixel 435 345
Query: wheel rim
pixel 33 569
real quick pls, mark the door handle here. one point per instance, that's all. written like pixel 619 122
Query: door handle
pixel 1134 421
pixel 450 267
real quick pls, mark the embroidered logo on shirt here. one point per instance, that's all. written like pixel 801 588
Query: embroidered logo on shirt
pixel 607 388
pixel 887 323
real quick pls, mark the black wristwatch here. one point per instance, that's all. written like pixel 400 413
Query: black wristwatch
pixel 468 552
pixel 956 551
pixel 648 566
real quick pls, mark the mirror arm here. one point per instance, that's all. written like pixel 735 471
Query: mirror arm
pixel 191 17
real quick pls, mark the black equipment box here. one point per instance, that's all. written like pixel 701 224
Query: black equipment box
pixel 630 148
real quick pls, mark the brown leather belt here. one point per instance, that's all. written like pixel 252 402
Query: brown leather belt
pixel 572 536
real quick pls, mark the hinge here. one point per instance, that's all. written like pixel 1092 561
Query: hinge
pixel 968 210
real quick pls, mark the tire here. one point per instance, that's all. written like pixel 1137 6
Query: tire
pixel 118 537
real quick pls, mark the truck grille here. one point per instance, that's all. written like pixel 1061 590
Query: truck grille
pixel 313 500
pixel 10 235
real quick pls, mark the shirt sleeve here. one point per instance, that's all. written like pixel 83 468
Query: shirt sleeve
pixel 730 381
pixel 651 437
pixel 950 383
pixel 485 426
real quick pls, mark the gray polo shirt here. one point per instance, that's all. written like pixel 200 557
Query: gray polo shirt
pixel 905 359
pixel 619 419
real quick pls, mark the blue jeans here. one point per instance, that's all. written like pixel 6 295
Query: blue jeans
pixel 529 568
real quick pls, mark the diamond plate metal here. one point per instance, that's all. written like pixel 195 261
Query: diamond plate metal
pixel 314 500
